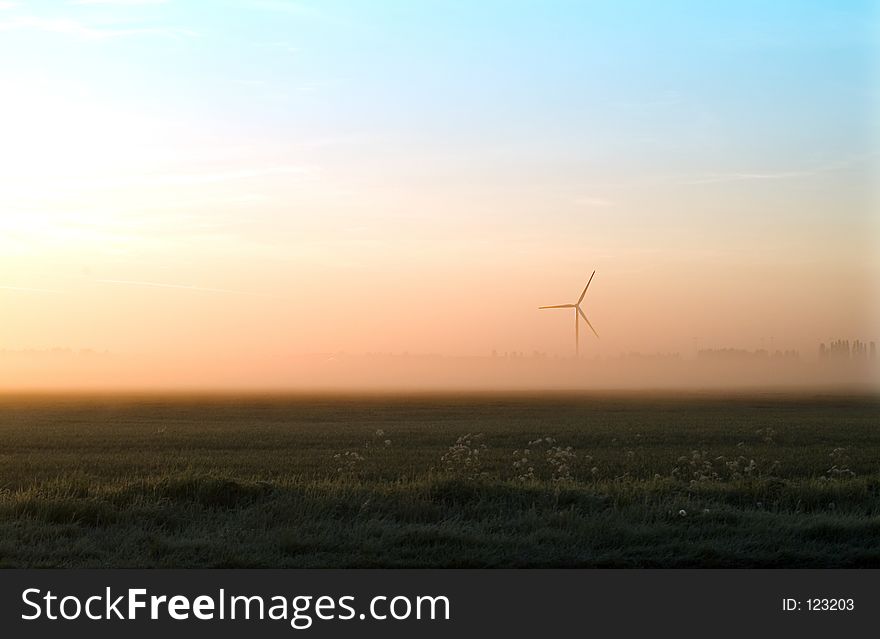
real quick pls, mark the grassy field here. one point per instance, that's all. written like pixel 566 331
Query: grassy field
pixel 328 481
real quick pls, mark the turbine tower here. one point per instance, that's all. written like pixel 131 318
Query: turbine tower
pixel 577 311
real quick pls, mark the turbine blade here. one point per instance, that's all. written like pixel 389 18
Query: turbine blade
pixel 588 322
pixel 581 298
pixel 558 306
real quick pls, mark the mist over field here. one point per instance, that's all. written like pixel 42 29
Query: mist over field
pixel 73 371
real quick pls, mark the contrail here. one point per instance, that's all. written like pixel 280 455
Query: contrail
pixel 28 289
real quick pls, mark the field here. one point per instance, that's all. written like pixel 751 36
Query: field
pixel 347 481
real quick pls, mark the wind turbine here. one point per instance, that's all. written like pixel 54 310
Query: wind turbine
pixel 577 311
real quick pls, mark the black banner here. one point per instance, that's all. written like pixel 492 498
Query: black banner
pixel 437 603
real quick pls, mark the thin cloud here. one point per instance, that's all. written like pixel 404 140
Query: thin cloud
pixel 741 177
pixel 176 286
pixel 665 99
pixel 283 46
pixel 82 30
pixel 184 179
pixel 28 289
pixel 295 8
pixel 714 178
pixel 735 176
pixel 298 10
pixel 122 3
pixel 184 287
pixel 225 176
pixel 598 202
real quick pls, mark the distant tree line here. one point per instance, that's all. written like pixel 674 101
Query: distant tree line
pixel 740 354
pixel 841 349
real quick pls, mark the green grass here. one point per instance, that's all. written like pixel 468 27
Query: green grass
pixel 185 482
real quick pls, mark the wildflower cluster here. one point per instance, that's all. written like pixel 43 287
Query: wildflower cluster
pixel 560 460
pixel 739 467
pixel 556 461
pixel 351 462
pixel 378 440
pixel 464 458
pixel 767 434
pixel 698 467
pixel 523 465
pixel 839 464
pixel 701 467
pixel 348 462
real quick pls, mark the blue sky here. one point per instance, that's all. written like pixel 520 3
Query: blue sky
pixel 738 84
pixel 150 141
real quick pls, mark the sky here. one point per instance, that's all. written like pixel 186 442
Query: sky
pixel 247 178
